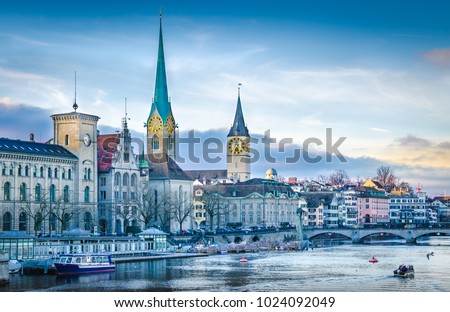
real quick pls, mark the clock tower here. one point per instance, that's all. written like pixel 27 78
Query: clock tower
pixel 238 147
pixel 160 123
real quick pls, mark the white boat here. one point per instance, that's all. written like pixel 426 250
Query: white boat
pixel 14 266
pixel 84 263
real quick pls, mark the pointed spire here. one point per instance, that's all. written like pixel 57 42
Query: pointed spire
pixel 161 97
pixel 75 105
pixel 239 128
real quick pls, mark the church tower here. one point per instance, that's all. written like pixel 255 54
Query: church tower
pixel 238 147
pixel 160 123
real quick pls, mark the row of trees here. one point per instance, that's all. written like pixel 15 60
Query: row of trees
pixel 385 175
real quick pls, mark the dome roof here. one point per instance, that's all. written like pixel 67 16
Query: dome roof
pixel 271 172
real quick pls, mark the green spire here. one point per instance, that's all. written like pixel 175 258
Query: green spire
pixel 161 97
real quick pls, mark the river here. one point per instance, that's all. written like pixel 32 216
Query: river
pixel 344 268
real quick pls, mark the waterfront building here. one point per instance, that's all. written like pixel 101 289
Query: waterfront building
pixel 410 209
pixel 255 202
pixel 373 206
pixel 441 205
pixel 120 189
pixel 323 209
pixel 48 188
pixel 168 189
pixel 350 199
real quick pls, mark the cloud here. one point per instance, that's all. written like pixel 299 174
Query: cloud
pixel 379 130
pixel 19 120
pixel 440 57
pixel 444 145
pixel 413 141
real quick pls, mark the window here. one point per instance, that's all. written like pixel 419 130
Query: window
pixel 89 174
pixel 56 172
pixel 3 169
pixel 27 171
pixel 49 172
pixel 155 143
pixel 85 173
pixel 133 180
pixel 63 173
pixel 125 179
pixel 86 194
pixel 7 191
pixel 41 172
pixel 66 139
pixel 103 181
pixel 66 194
pixel 19 170
pixel 124 196
pixel 69 174
pixel 11 169
pixel 103 195
pixel 23 222
pixel 52 193
pixel 34 171
pixel 23 192
pixel 117 179
pixel 37 192
pixel 7 220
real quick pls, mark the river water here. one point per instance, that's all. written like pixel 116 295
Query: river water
pixel 344 268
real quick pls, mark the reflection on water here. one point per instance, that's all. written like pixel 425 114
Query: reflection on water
pixel 340 268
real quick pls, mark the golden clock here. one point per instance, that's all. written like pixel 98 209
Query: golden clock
pixel 154 124
pixel 170 123
pixel 235 145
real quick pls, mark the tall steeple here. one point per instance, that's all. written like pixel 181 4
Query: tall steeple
pixel 238 128
pixel 160 123
pixel 238 152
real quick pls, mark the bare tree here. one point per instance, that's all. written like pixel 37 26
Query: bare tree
pixel 37 212
pixel 64 211
pixel 149 206
pixel 214 206
pixel 182 208
pixel 386 177
pixel 338 177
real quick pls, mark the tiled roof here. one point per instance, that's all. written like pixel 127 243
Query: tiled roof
pixel 313 199
pixel 34 148
pixel 166 168
pixel 106 148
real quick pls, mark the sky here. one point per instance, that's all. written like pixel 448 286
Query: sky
pixel 375 72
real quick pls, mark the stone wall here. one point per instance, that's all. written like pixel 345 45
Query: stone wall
pixel 4 268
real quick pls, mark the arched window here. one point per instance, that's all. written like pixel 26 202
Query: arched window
pixel 117 179
pixel 63 173
pixel 27 171
pixel 66 194
pixel 41 172
pixel 87 220
pixel 155 143
pixel 37 192
pixel 11 169
pixel 34 171
pixel 52 222
pixel 3 169
pixel 7 191
pixel 49 172
pixel 56 172
pixel 89 174
pixel 19 170
pixel 85 173
pixel 69 174
pixel 86 194
pixel 125 179
pixel 23 192
pixel 133 180
pixel 23 221
pixel 52 193
pixel 65 222
pixel 7 221
pixel 38 221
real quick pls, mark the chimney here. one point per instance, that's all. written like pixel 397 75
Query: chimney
pixel 32 137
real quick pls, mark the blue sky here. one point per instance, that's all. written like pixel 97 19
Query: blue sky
pixel 375 72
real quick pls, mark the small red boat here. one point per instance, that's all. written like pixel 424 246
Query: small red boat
pixel 243 260
pixel 373 260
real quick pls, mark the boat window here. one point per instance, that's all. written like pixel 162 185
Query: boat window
pixel 78 260
pixel 63 260
pixel 68 260
pixel 83 260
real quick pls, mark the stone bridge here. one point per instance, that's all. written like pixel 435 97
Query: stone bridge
pixel 358 235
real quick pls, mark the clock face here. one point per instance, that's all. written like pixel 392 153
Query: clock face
pixel 170 124
pixel 236 145
pixel 154 124
pixel 87 139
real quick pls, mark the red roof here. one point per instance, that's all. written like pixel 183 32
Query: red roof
pixel 107 147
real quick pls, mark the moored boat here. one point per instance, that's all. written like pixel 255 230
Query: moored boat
pixel 84 263
pixel 404 271
pixel 14 266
